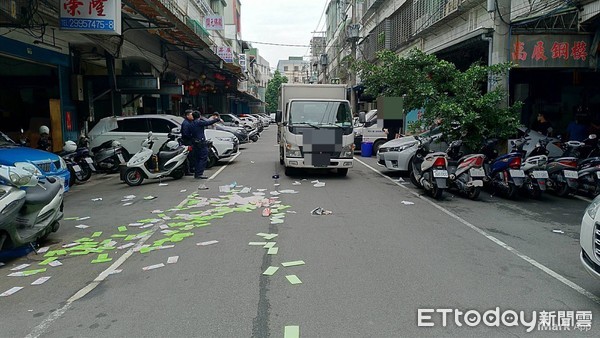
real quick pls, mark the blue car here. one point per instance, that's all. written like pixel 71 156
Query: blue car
pixel 48 164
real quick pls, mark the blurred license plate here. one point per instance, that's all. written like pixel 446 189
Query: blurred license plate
pixel 517 173
pixel 570 174
pixel 477 172
pixel 76 168
pixel 540 174
pixel 440 173
pixel 89 160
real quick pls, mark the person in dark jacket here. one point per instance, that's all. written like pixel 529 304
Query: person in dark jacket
pixel 186 139
pixel 199 144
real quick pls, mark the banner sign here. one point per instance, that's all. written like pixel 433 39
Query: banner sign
pixel 225 53
pixel 242 60
pixel 213 22
pixel 97 16
pixel 550 51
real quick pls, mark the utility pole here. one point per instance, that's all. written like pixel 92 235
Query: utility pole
pixel 354 38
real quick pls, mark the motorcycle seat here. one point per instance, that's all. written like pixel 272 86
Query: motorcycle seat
pixel 165 155
pixel 42 194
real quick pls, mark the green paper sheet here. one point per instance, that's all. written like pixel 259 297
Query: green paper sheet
pixel 33 272
pixel 293 279
pixel 146 250
pixel 273 251
pixel 271 271
pixel 97 234
pixel 48 260
pixel 269 245
pixel 122 228
pixel 118 236
pixel 269 237
pixel 102 258
pixel 291 331
pixel 293 263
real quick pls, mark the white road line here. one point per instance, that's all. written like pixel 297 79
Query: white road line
pixel 500 243
pixel 583 198
pixel 43 326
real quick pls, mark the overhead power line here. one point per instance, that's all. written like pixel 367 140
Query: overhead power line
pixel 278 44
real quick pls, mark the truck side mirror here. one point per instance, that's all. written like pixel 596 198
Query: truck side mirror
pixel 278 116
pixel 362 117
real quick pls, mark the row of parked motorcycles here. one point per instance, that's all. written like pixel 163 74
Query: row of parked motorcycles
pixel 577 170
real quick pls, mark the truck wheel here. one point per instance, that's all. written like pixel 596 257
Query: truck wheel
pixel 281 156
pixel 376 146
pixel 289 171
pixel 342 172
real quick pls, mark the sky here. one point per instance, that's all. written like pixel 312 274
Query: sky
pixel 287 22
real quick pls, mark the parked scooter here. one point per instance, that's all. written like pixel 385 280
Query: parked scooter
pixel 534 167
pixel 109 156
pixel 466 173
pixel 563 170
pixel 169 161
pixel 27 215
pixel 504 173
pixel 429 169
pixel 78 161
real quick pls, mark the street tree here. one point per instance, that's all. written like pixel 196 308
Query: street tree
pixel 447 96
pixel 272 94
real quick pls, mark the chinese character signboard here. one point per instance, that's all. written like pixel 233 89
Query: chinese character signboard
pixel 243 64
pixel 98 16
pixel 550 51
pixel 225 53
pixel 213 22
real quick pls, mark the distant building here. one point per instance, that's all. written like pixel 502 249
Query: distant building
pixel 296 69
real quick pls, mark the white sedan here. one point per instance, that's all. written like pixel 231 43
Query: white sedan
pixel 397 153
pixel 589 238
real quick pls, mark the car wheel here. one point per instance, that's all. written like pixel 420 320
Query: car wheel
pixel 212 160
pixel 134 177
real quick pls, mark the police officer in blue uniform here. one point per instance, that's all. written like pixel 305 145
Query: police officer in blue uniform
pixel 194 131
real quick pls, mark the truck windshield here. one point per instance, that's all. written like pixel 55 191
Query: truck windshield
pixel 320 113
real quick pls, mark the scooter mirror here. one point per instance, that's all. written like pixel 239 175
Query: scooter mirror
pixel 592 136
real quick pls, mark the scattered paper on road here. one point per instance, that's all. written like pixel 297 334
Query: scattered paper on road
pixel 20 267
pixel 270 271
pixel 407 203
pixel 129 197
pixel 125 246
pixel 269 245
pixel 135 224
pixel 319 184
pixel 116 271
pixel 41 280
pixel 82 226
pixel 257 243
pixel 288 191
pixel 172 259
pixel 43 250
pixel 55 263
pixel 207 243
pixel 224 188
pixel 163 184
pixel 296 183
pixel 102 258
pixel 152 267
pixel 11 291
pixel 97 234
pixel 293 279
pixel 292 263
pixel 320 211
pixel 558 231
pixel 183 190
pixel 97 199
pixel 83 218
pixel 127 204
pixel 291 331
pixel 149 197
pixel 273 251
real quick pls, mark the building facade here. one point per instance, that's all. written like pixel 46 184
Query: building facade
pixel 67 64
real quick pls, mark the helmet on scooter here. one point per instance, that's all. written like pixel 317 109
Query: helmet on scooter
pixel 69 147
pixel 172 145
pixel 44 130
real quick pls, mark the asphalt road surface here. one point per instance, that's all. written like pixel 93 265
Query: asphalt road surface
pixel 383 256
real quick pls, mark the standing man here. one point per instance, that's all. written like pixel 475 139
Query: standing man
pixel 186 139
pixel 199 144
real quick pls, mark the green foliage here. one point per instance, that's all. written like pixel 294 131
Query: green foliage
pixel 447 94
pixel 272 94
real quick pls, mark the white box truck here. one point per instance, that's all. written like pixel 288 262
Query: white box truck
pixel 315 127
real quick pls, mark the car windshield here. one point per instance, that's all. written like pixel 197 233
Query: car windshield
pixel 5 140
pixel 320 113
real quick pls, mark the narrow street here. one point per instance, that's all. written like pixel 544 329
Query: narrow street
pixel 384 252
